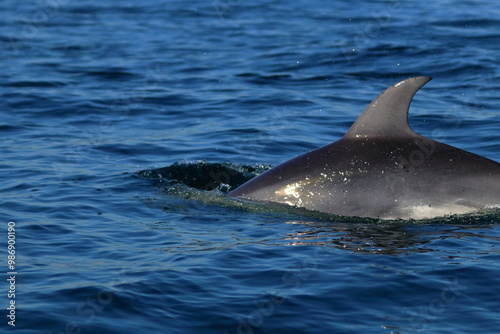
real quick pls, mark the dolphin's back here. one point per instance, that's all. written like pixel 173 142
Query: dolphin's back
pixel 381 168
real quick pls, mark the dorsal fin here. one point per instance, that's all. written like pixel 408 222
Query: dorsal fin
pixel 387 115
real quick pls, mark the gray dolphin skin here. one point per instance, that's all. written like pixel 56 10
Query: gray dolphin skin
pixel 382 169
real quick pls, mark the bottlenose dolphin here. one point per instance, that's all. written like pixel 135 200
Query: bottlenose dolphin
pixel 382 169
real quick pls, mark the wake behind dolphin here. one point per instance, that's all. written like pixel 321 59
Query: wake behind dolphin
pixel 382 169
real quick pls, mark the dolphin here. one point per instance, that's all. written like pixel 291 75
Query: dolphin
pixel 382 169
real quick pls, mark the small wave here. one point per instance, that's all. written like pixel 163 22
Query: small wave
pixel 206 176
pixel 43 84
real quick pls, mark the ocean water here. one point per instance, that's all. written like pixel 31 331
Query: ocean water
pixel 120 120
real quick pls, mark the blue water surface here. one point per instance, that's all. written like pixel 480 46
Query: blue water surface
pixel 93 92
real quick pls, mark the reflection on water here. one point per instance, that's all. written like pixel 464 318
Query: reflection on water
pixel 390 238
